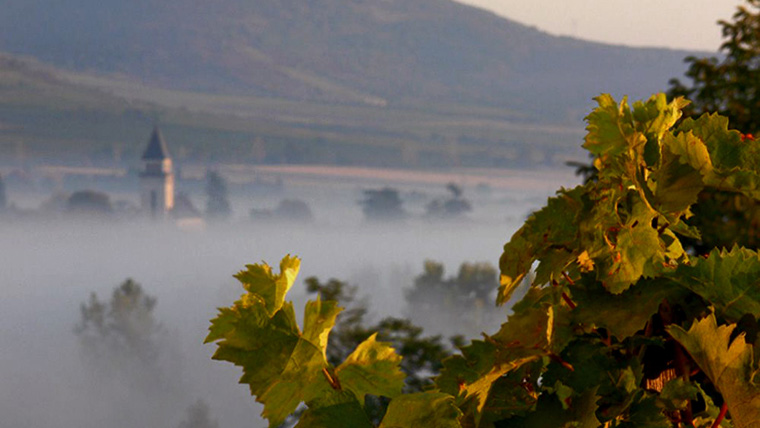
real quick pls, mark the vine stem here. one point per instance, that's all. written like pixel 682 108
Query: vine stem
pixel 565 297
pixel 569 302
pixel 331 379
pixel 721 415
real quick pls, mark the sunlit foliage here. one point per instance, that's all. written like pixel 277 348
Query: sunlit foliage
pixel 620 326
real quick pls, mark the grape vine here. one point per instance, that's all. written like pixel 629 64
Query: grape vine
pixel 619 327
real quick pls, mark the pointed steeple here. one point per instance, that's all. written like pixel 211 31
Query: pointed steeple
pixel 156 149
pixel 157 179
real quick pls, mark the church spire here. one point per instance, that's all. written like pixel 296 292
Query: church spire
pixel 157 179
pixel 156 149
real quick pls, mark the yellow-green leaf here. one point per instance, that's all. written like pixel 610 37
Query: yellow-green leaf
pixel 728 364
pixel 373 368
pixel 422 410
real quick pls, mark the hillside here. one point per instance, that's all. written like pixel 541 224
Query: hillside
pixel 390 52
pixel 51 116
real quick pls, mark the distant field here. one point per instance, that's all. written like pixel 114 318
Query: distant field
pixel 501 179
pixel 49 115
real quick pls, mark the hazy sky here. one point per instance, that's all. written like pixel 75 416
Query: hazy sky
pixel 689 24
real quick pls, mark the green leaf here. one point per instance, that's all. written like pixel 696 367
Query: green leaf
pixel 622 314
pixel 259 333
pixel 300 381
pixel 528 335
pixel 736 163
pixel 583 410
pixel 471 376
pixel 609 127
pixel 677 393
pixel 513 394
pixel 319 319
pixel 727 149
pixel 728 364
pixel 729 280
pixel 690 150
pixel 645 413
pixel 679 179
pixel 422 410
pixel 550 411
pixel 339 410
pixel 635 251
pixel 656 116
pixel 259 280
pixel 259 345
pixel 373 368
pixel 549 235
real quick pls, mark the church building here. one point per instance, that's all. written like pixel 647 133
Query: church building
pixel 157 179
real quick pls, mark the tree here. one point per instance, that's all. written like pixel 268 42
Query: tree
pixel 453 207
pixel 434 301
pixel 731 87
pixel 198 416
pixel 619 327
pixel 381 205
pixel 122 337
pixel 217 202
pixel 288 210
pixel 294 210
pixel 89 202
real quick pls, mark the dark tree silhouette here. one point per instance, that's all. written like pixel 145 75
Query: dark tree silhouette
pixel 382 205
pixel 433 300
pixel 217 202
pixel 730 85
pixel 198 416
pixel 89 202
pixel 452 207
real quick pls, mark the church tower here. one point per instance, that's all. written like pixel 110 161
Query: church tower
pixel 157 179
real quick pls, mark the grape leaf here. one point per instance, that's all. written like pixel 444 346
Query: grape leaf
pixel 656 115
pixel 284 366
pixel 549 235
pixel 623 314
pixel 422 410
pixel 635 251
pixel 373 368
pixel 318 320
pixel 259 280
pixel 736 163
pixel 730 280
pixel 677 393
pixel 551 412
pixel 513 394
pixel 611 223
pixel 679 179
pixel 259 333
pixel 300 381
pixel 529 334
pixel 338 409
pixel 609 127
pixel 727 364
pixel 727 149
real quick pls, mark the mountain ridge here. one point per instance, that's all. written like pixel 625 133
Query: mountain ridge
pixel 396 52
